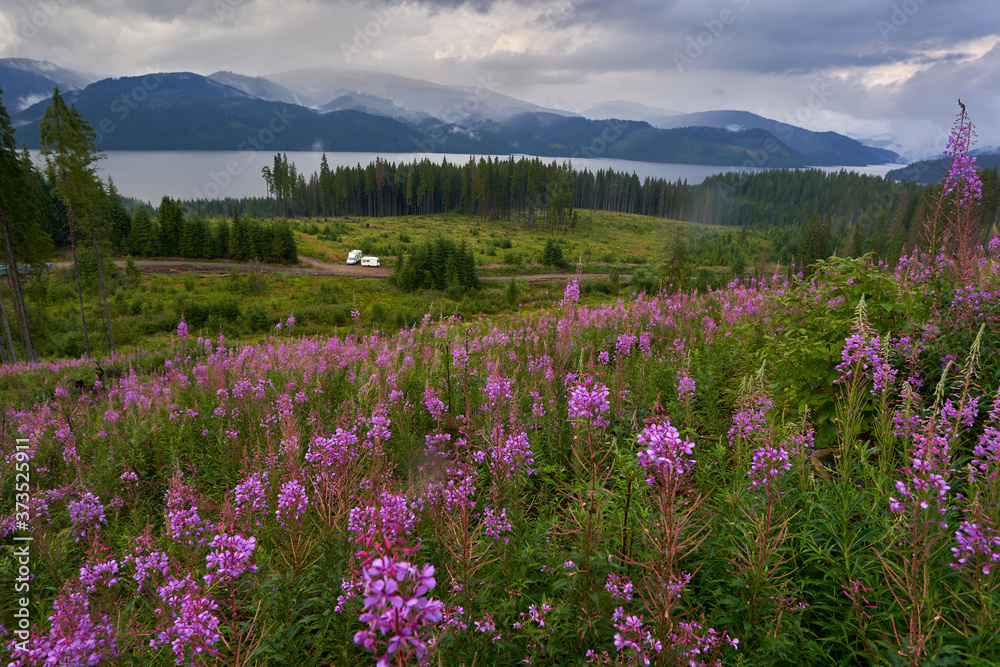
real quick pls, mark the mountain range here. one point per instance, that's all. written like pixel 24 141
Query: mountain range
pixel 931 171
pixel 321 109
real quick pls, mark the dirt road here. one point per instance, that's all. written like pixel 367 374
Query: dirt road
pixel 315 267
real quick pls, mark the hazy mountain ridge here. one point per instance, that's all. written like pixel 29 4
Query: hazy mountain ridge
pixel 931 171
pixel 367 111
pixel 258 86
pixel 318 87
pixel 26 82
pixel 824 148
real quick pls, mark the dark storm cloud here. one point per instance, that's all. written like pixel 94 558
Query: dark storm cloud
pixel 882 60
pixel 159 10
pixel 780 36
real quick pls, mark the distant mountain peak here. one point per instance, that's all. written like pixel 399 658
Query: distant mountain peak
pixel 26 82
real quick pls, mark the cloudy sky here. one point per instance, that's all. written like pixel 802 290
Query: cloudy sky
pixel 889 70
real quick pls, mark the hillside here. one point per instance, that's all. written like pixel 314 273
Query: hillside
pixel 930 171
pixel 186 111
pixel 821 148
pixel 319 109
pixel 26 81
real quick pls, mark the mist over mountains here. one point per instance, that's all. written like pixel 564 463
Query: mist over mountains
pixel 328 110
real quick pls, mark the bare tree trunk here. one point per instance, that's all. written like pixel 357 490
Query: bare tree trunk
pixel 9 344
pixel 104 296
pixel 76 270
pixel 18 295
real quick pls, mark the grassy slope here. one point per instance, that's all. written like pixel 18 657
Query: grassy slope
pixel 599 237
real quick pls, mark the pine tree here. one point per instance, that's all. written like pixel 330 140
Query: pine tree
pixel 815 243
pixel 880 239
pixel 239 240
pixel 552 255
pixel 20 230
pixel 143 239
pixel 119 219
pixel 171 221
pixel 852 247
pixel 70 147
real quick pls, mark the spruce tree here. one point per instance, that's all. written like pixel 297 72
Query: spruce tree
pixel 171 221
pixel 70 147
pixel 20 230
pixel 143 239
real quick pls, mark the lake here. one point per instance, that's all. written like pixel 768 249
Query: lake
pixel 149 175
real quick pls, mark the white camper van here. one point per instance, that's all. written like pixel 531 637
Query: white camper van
pixel 369 261
pixel 354 257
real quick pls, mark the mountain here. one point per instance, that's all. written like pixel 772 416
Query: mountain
pixel 820 148
pixel 552 135
pixel 931 171
pixel 385 113
pixel 26 81
pixel 631 111
pixel 185 111
pixel 257 86
pixel 378 106
pixel 452 104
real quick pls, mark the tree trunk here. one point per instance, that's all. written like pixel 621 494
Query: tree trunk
pixel 104 296
pixel 10 356
pixel 76 270
pixel 18 295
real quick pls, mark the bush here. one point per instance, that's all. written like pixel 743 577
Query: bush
pixel 256 318
pixel 552 255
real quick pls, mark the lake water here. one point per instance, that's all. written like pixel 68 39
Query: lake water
pixel 149 175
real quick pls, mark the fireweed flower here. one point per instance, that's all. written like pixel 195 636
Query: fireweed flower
pixel 230 557
pixel 994 245
pixel 129 479
pixel 251 494
pixel 393 518
pixel 537 614
pixel 868 357
pixel 667 457
pixel 624 343
pixel 378 432
pixel 486 625
pixel 292 502
pixel 183 523
pixel 588 403
pixel 633 638
pixel 987 450
pixel 750 419
pixel 925 481
pixel 572 293
pixel 498 390
pixel 495 524
pixel 433 404
pixel 334 451
pixel 396 606
pixel 504 455
pixel 190 627
pixel 701 647
pixel 962 177
pixel 978 547
pixel 685 387
pixel 619 587
pixel 78 636
pixel 87 515
pixel 768 464
pixel 148 563
pixel 182 329
pixel 457 492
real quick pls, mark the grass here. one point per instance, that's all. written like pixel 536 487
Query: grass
pixel 598 239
